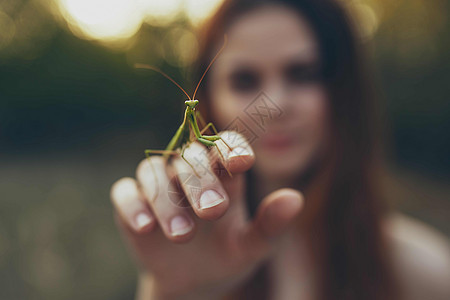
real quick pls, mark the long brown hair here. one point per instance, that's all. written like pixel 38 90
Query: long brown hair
pixel 347 210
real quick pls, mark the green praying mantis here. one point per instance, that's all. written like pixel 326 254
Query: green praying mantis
pixel 189 128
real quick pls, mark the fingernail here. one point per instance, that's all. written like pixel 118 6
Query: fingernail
pixel 142 220
pixel 180 225
pixel 239 151
pixel 210 198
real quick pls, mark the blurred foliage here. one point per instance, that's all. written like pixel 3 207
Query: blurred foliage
pixel 412 55
pixel 75 116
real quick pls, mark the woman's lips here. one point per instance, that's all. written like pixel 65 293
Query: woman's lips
pixel 276 142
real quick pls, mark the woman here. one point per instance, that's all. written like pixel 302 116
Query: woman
pixel 254 235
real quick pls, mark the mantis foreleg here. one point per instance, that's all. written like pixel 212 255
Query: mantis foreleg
pixel 210 124
pixel 182 156
pixel 208 141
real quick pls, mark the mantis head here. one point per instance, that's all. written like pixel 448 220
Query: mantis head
pixel 191 103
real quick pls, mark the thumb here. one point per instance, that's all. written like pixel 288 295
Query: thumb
pixel 273 217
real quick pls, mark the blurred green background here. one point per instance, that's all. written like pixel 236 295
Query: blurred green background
pixel 75 116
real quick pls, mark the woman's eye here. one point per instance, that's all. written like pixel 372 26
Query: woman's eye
pixel 244 81
pixel 301 74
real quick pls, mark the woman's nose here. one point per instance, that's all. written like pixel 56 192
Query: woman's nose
pixel 278 92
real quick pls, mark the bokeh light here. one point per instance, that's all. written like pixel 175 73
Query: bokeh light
pixel 8 29
pixel 198 10
pixel 102 19
pixel 367 20
pixel 118 20
pixel 180 47
pixel 160 12
pixel 366 15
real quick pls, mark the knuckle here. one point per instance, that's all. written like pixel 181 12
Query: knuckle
pixel 145 167
pixel 151 175
pixel 197 155
pixel 194 150
pixel 234 138
pixel 142 166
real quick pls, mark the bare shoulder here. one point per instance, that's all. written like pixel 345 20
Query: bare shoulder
pixel 421 256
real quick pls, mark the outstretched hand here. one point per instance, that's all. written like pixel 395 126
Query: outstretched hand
pixel 198 242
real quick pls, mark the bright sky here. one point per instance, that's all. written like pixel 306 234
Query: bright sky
pixel 118 20
pixel 112 20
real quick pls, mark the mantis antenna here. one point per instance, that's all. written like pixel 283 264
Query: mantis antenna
pixel 210 64
pixel 144 66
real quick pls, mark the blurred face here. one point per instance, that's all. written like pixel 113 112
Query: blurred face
pixel 273 50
